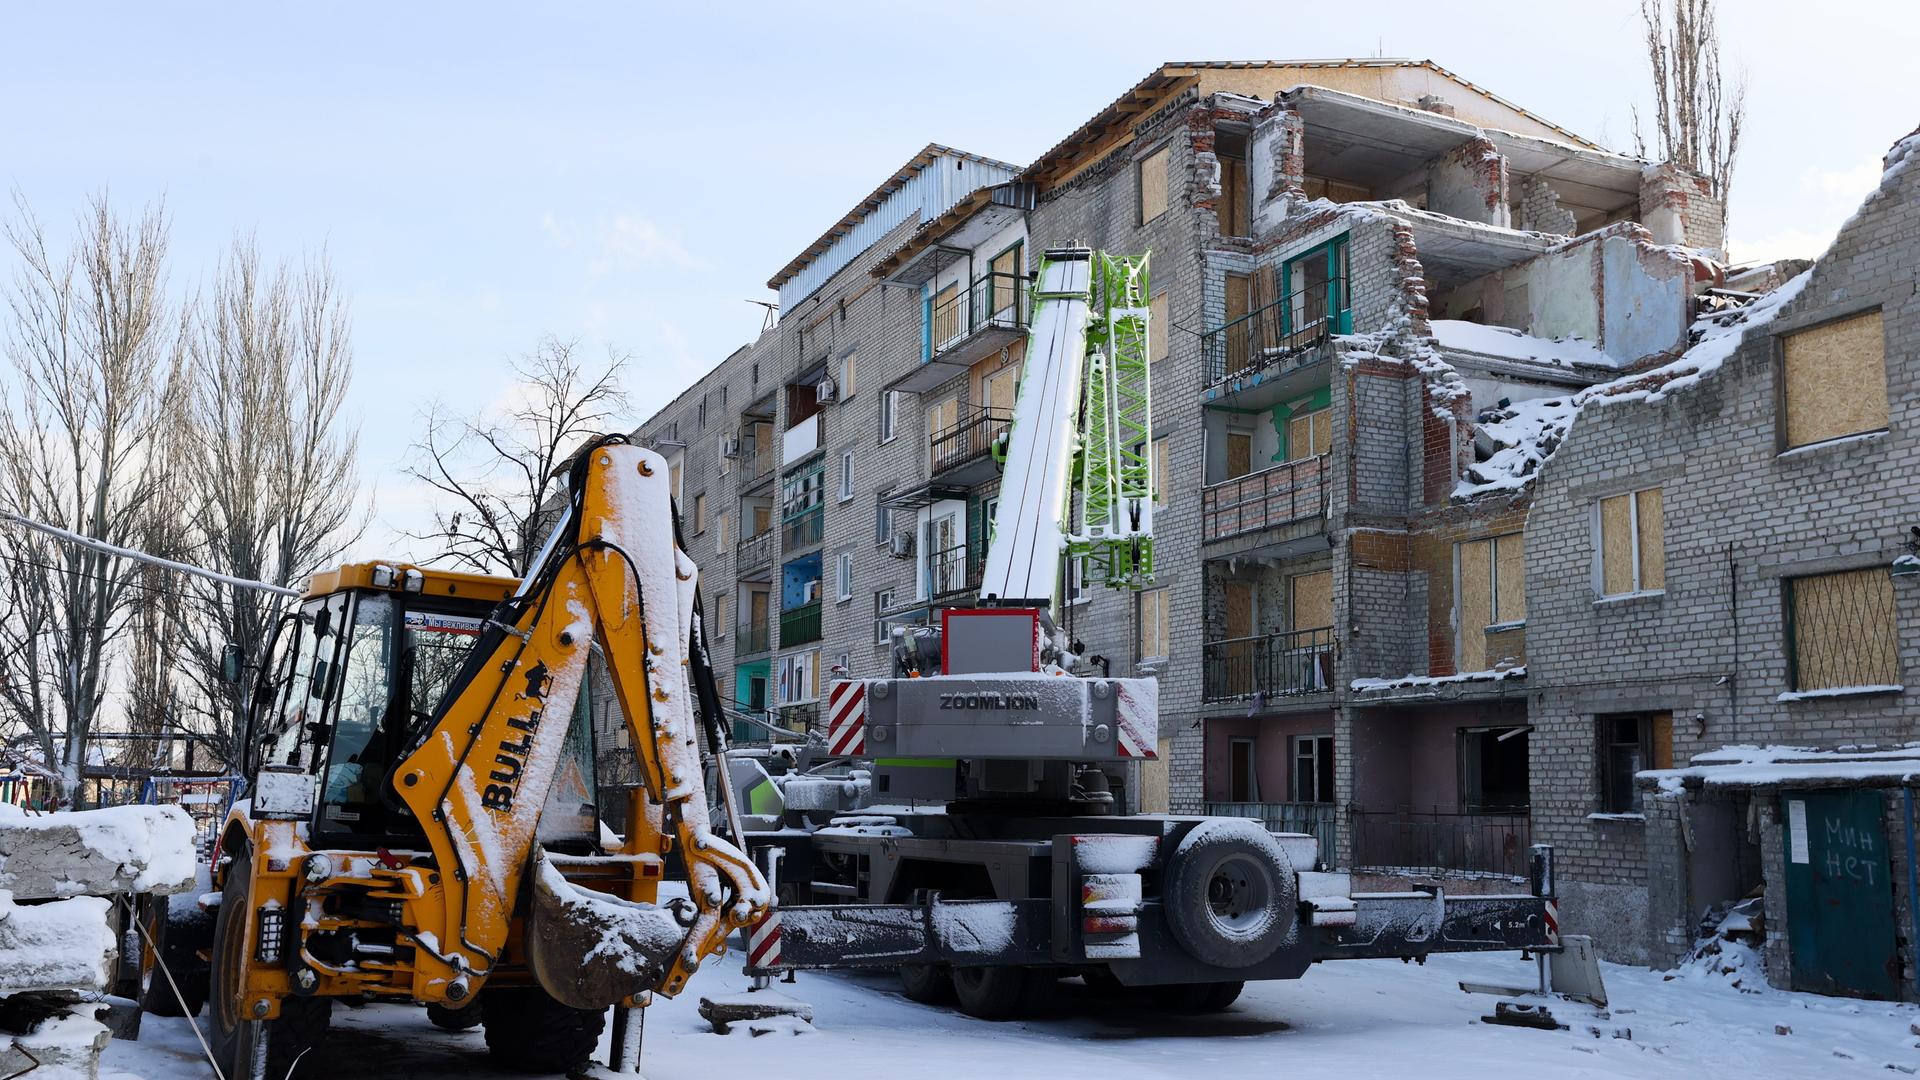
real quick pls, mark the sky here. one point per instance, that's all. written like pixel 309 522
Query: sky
pixel 630 175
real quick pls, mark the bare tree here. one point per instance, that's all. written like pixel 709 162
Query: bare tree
pixel 88 353
pixel 1697 114
pixel 273 461
pixel 494 472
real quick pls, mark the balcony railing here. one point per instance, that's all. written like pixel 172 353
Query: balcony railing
pixel 756 463
pixel 803 531
pixel 1313 818
pixel 954 570
pixel 800 718
pixel 1294 491
pixel 753 552
pixel 800 624
pixel 992 301
pixel 1301 319
pixel 1442 840
pixel 1269 665
pixel 752 639
pixel 967 439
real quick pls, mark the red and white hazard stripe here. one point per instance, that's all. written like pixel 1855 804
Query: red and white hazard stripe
pixel 763 941
pixel 1551 912
pixel 847 718
pixel 1134 729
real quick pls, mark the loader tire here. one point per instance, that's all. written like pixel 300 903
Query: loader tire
pixel 172 945
pixel 1230 894
pixel 993 993
pixel 928 984
pixel 448 1018
pixel 302 1023
pixel 528 1030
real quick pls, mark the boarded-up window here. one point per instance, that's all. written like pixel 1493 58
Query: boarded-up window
pixel 1313 600
pixel 673 477
pixel 1842 630
pixel 1239 454
pixel 1157 327
pixel 1492 592
pixel 718 621
pixel 999 388
pixel 720 532
pixel 1153 624
pixel 762 518
pixel 940 418
pixel 1310 434
pixel 700 513
pixel 1153 185
pixel 1162 474
pixel 1236 199
pixel 1835 379
pixel 1632 544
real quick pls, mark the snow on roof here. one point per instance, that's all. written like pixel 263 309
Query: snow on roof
pixel 1802 766
pixel 1509 344
pixel 1412 681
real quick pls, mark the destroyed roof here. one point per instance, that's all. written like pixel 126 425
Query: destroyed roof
pixel 1170 78
pixel 1789 766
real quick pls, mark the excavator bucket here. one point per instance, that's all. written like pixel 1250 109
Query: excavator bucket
pixel 591 950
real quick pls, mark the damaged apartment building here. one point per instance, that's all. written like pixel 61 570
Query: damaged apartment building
pixel 1374 285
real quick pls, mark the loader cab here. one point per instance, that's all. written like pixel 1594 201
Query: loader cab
pixel 358 670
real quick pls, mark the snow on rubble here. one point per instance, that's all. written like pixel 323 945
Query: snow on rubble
pixel 1512 344
pixel 1747 765
pixel 115 849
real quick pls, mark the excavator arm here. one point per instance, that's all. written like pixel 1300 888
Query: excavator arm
pixel 613 574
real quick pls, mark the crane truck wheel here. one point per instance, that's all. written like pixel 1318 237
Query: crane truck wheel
pixel 448 1018
pixel 928 984
pixel 302 1022
pixel 528 1030
pixel 1197 998
pixel 993 993
pixel 1230 894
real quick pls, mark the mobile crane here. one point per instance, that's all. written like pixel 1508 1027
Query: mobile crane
pixel 962 827
pixel 422 824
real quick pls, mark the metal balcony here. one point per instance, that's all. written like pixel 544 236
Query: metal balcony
pixel 752 639
pixel 753 553
pixel 800 625
pixel 954 570
pixel 1269 335
pixel 1282 495
pixel 803 531
pixel 962 453
pixel 990 313
pixel 1268 665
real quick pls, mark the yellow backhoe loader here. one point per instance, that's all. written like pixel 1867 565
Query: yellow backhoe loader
pixel 422 824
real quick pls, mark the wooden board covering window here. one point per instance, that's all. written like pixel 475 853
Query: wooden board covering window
pixel 1319 187
pixel 757 607
pixel 1162 476
pixel 946 314
pixel 1008 263
pixel 1510 579
pixel 1157 328
pixel 1235 198
pixel 1239 300
pixel 1652 539
pixel 998 389
pixel 699 513
pixel 1474 605
pixel 762 519
pixel 1239 454
pixel 719 612
pixel 1616 545
pixel 1153 624
pixel 720 532
pixel 1154 796
pixel 941 417
pixel 1835 379
pixel 1843 630
pixel 1660 741
pixel 1310 435
pixel 1153 185
pixel 1313 600
pixel 1238 597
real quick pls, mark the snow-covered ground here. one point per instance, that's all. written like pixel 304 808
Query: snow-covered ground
pixel 1352 1020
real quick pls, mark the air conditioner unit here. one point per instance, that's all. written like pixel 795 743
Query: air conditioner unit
pixel 901 546
pixel 730 447
pixel 825 391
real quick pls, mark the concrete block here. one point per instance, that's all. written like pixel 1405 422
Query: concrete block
pixel 97 852
pixel 59 945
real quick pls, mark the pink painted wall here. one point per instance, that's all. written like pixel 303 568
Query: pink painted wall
pixel 1272 749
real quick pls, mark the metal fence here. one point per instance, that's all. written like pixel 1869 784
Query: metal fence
pixel 1271 665
pixel 1315 819
pixel 991 301
pixel 1300 320
pixel 1284 494
pixel 800 624
pixel 969 438
pixel 953 570
pixel 754 551
pixel 753 639
pixel 1439 840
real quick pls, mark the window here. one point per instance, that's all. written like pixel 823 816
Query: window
pixel 1834 380
pixel 889 411
pixel 883 601
pixel 1630 743
pixel 1632 551
pixel 846 375
pixel 800 678
pixel 1312 600
pixel 1162 484
pixel 1490 591
pixel 846 475
pixel 1157 327
pixel 1152 643
pixel 1236 199
pixel 701 423
pixel 1243 780
pixel 1493 770
pixel 1314 285
pixel 673 477
pixel 1313 768
pixel 699 513
pixel 720 455
pixel 762 517
pixel 800 494
pixel 1153 185
pixel 882 519
pixel 720 532
pixel 1309 434
pixel 843 576
pixel 1841 630
pixel 719 620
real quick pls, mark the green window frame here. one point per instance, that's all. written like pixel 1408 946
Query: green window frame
pixel 1330 261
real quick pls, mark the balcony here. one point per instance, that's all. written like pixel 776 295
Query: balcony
pixel 1268 665
pixel 803 531
pixel 752 639
pixel 1488 843
pixel 1315 819
pixel 800 625
pixel 962 453
pixel 801 440
pixel 1282 495
pixel 756 463
pixel 988 315
pixel 954 570
pixel 1268 336
pixel 800 719
pixel 753 553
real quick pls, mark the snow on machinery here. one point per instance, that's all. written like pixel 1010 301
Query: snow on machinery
pixel 977 849
pixel 423 825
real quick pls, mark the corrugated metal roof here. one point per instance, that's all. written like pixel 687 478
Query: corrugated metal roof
pixel 915 187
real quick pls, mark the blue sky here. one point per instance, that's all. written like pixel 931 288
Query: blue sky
pixel 483 174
